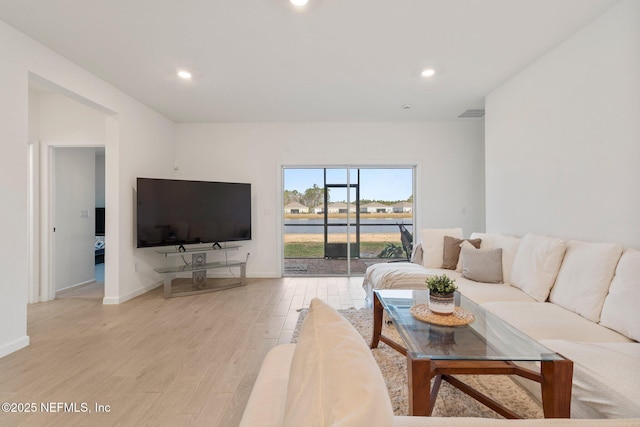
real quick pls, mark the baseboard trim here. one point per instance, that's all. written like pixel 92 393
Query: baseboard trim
pixel 269 275
pixel 14 345
pixel 76 286
pixel 123 298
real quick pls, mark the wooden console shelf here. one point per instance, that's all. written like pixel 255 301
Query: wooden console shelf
pixel 198 268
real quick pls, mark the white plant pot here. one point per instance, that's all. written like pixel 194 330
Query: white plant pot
pixel 443 304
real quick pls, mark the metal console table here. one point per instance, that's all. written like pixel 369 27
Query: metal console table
pixel 198 268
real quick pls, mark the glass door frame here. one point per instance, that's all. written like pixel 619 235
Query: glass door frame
pixel 332 250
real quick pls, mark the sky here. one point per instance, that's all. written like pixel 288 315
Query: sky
pixel 376 184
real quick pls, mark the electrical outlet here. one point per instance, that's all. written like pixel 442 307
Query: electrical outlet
pixel 135 267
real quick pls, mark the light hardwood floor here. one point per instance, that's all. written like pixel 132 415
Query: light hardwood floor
pixel 183 361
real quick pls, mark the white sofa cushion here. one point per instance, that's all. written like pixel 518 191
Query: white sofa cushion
pixel 620 311
pixel 432 241
pixel 606 378
pixel 546 321
pixel 585 276
pixel 481 293
pixel 334 379
pixel 536 265
pixel 394 275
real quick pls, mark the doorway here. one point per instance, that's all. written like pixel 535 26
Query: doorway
pixel 340 220
pixel 59 120
pixel 78 256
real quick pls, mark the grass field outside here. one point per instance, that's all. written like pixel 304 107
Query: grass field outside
pixel 312 245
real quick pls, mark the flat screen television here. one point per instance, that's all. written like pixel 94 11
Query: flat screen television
pixel 180 212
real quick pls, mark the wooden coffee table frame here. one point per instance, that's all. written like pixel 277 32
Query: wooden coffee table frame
pixel 555 377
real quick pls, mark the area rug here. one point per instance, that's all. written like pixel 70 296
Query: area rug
pixel 451 402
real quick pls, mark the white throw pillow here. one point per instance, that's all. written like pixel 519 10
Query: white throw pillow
pixel 536 265
pixel 585 276
pixel 509 245
pixel 487 239
pixel 432 241
pixel 465 244
pixel 620 311
pixel 334 379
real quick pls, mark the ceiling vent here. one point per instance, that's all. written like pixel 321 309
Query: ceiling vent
pixel 472 113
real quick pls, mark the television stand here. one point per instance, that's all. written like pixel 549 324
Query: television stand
pixel 198 268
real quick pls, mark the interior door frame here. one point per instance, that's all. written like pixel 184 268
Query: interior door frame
pixel 45 289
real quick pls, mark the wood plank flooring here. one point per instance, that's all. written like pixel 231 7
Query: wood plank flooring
pixel 186 361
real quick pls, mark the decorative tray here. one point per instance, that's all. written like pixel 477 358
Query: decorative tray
pixel 459 317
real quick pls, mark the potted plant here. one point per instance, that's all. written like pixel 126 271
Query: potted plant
pixel 441 298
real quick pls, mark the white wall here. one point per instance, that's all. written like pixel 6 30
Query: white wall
pixel 138 141
pixel 100 179
pixel 13 210
pixel 74 186
pixel 563 138
pixel 448 156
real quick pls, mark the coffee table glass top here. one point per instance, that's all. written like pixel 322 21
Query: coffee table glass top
pixel 487 338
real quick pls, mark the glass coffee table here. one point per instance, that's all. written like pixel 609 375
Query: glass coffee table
pixel 486 346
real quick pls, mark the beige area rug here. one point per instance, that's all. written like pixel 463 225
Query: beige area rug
pixel 451 402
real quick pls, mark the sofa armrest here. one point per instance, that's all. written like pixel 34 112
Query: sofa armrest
pixel 265 407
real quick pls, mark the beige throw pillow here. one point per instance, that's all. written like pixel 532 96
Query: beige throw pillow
pixel 482 265
pixel 451 251
pixel 334 379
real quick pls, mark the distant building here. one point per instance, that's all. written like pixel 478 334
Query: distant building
pixel 402 207
pixel 318 209
pixel 340 207
pixel 295 208
pixel 375 207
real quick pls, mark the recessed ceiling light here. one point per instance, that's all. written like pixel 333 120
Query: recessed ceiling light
pixel 184 74
pixel 428 72
pixel 299 2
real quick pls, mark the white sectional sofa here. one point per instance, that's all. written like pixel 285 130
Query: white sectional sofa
pixel 329 378
pixel 580 299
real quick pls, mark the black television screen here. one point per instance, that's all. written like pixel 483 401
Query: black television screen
pixel 179 212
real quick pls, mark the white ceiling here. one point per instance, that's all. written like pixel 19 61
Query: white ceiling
pixel 336 60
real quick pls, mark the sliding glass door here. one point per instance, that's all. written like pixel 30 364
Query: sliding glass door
pixel 340 220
